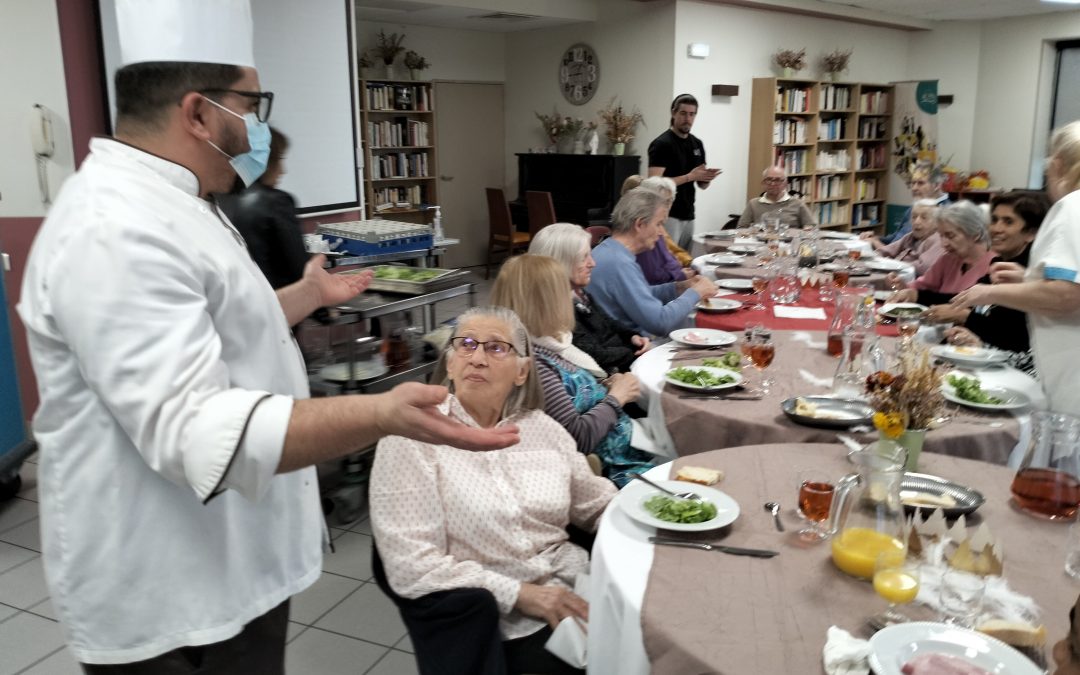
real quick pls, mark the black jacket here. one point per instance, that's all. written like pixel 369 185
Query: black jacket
pixel 599 336
pixel 266 218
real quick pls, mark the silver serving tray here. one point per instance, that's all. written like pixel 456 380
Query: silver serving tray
pixel 445 279
pixel 848 413
pixel 967 499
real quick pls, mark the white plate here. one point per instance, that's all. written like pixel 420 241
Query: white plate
pixel 833 234
pixel 886 265
pixel 722 259
pixel 718 372
pixel 632 500
pixel 744 248
pixel 1014 400
pixel 888 309
pixel 969 356
pixel 735 284
pixel 895 645
pixel 365 370
pixel 883 296
pixel 718 305
pixel 702 337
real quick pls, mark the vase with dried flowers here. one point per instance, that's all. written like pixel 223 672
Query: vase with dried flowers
pixel 364 62
pixel 790 60
pixel 415 63
pixel 561 130
pixel 907 400
pixel 835 62
pixel 621 124
pixel 387 48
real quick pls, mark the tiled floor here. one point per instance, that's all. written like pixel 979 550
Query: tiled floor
pixel 342 624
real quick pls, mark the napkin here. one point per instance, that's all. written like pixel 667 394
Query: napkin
pixel 844 654
pixel 569 639
pixel 799 313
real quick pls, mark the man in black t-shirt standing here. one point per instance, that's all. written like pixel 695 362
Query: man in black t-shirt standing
pixel 679 155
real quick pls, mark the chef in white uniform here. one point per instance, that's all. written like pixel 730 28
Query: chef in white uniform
pixel 179 505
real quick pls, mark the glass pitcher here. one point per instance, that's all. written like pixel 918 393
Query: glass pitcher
pixel 850 379
pixel 1046 484
pixel 867 518
pixel 785 287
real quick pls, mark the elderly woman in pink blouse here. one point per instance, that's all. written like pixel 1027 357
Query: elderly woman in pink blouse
pixel 494 522
pixel 964 235
pixel 922 246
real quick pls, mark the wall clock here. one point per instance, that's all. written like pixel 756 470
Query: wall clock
pixel 579 73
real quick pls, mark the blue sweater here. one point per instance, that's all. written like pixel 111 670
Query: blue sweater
pixel 905 222
pixel 618 285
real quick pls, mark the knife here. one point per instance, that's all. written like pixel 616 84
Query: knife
pixel 733 550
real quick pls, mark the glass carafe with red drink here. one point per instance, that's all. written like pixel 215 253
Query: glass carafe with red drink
pixel 1047 483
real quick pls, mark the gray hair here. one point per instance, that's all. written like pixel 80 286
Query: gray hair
pixel 637 204
pixel 932 203
pixel 660 183
pixel 565 242
pixel 968 218
pixel 524 397
pixel 782 170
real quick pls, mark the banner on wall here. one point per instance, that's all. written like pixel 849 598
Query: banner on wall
pixel 915 139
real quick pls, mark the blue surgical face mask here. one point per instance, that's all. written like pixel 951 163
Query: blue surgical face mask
pixel 251 164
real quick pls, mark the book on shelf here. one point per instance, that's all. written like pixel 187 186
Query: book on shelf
pixel 404 97
pixel 831 187
pixel 800 185
pixel 832 213
pixel 834 97
pixel 873 157
pixel 866 188
pixel 832 160
pixel 834 129
pixel 789 131
pixel 400 165
pixel 792 99
pixel 793 161
pixel 387 198
pixel 874 102
pixel 399 132
pixel 866 214
pixel 874 128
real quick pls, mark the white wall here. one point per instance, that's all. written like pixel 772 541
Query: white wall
pixel 743 42
pixel 453 54
pixel 33 73
pixel 1010 93
pixel 950 55
pixel 633 43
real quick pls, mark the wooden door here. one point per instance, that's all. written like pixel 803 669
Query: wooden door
pixel 470 158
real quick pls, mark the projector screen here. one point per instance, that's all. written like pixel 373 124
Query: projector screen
pixel 303 55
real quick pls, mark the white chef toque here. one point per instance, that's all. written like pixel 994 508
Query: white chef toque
pixel 197 31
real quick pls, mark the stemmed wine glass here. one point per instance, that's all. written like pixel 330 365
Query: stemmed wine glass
pixel 760 283
pixel 762 351
pixel 815 500
pixel 896 578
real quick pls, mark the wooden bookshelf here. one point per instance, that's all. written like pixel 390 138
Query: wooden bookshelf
pixel 397 122
pixel 833 137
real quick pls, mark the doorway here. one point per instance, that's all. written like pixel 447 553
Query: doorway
pixel 470 133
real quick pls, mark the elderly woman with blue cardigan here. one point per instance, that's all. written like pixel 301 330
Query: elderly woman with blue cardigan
pixel 619 286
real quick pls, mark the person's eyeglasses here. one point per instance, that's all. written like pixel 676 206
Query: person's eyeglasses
pixel 265 100
pixel 496 349
pixel 774 180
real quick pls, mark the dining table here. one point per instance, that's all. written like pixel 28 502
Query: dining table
pixel 748 267
pixel 675 610
pixel 683 421
pixel 719 240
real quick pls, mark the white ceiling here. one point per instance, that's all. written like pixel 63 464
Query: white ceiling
pixel 962 10
pixel 449 16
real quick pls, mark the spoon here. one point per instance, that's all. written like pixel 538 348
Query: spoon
pixel 678 495
pixel 774 508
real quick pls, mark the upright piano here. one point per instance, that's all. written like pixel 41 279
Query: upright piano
pixel 584 188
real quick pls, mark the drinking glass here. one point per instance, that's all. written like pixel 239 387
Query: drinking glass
pixel 841 277
pixel 854 254
pixel 762 351
pixel 761 284
pixel 815 500
pixel 907 326
pixel 896 578
pixel 749 332
pixel 826 290
pixel 961 597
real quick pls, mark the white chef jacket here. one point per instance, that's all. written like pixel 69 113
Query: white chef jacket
pixel 1055 340
pixel 167 373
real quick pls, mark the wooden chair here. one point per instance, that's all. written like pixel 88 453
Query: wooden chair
pixel 503 236
pixel 598 233
pixel 541 210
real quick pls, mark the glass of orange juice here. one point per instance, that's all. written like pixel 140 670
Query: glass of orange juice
pixel 896 578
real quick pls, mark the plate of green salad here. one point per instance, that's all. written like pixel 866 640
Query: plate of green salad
pixel 649 506
pixel 703 378
pixel 969 391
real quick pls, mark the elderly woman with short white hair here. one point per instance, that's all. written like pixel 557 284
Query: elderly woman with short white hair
pixel 490 522
pixel 612 347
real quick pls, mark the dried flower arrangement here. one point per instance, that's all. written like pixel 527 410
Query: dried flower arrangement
pixel 558 126
pixel 364 60
pixel 621 124
pixel 789 58
pixel 836 61
pixel 414 61
pixel 908 398
pixel 389 46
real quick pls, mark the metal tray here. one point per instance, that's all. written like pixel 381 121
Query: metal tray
pixel 850 413
pixel 967 499
pixel 445 279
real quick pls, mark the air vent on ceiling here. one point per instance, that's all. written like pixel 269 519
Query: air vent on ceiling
pixel 509 17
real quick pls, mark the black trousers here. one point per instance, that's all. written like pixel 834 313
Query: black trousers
pixel 259 648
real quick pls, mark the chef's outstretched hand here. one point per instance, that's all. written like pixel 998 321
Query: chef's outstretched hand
pixel 409 410
pixel 334 289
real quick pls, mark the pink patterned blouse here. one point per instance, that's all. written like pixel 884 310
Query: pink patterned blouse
pixel 446 518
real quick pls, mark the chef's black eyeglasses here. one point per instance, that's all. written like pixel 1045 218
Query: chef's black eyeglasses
pixel 265 100
pixel 496 349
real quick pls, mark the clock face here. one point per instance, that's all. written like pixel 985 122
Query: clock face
pixel 579 73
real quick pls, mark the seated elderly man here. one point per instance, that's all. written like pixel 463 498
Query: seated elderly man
pixel 488 527
pixel 776 199
pixel 619 286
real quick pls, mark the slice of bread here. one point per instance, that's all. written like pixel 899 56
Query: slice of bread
pixel 1014 633
pixel 697 474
